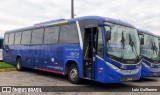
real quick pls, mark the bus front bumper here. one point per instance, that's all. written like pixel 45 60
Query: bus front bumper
pixel 109 75
pixel 150 72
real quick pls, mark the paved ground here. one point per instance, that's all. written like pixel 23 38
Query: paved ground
pixel 38 78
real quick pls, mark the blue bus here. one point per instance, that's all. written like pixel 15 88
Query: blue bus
pixel 90 47
pixel 150 53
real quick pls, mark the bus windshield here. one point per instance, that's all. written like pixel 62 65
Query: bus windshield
pixel 124 42
pixel 150 49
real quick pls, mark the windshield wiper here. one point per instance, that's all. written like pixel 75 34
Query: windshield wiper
pixel 154 47
pixel 123 44
pixel 131 43
pixel 123 40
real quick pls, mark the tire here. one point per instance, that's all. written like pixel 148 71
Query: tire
pixel 73 74
pixel 19 64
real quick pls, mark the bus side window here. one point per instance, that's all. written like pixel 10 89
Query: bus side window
pixel 69 33
pixel 1 43
pixel 17 38
pixel 26 37
pixel 6 37
pixel 51 35
pixel 11 39
pixel 100 43
pixel 37 36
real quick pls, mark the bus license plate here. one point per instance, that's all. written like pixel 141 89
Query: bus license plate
pixel 129 78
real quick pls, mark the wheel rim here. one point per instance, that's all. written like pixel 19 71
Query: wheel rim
pixel 18 65
pixel 74 74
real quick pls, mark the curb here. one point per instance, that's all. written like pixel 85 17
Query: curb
pixel 7 69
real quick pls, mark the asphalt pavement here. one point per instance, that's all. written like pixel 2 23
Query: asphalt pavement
pixel 43 79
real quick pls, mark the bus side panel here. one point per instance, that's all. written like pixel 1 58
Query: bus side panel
pixel 48 57
pixel 8 55
pixel 74 53
pixel 51 57
pixel 104 73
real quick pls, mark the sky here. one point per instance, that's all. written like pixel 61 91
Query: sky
pixel 143 14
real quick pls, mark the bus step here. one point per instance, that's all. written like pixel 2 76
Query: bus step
pixel 88 72
pixel 86 78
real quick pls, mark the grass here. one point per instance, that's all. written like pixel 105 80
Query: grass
pixel 4 65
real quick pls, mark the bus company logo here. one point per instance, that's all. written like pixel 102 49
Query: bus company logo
pixel 6 89
pixel 123 67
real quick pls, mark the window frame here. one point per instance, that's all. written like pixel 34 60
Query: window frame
pixel 9 38
pixel 5 38
pixel 42 36
pixel 20 37
pixel 102 36
pixel 1 43
pixel 59 26
pixel 76 31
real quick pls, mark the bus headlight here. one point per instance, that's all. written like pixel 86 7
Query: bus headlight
pixel 145 65
pixel 112 66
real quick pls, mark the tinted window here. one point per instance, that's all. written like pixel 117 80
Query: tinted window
pixel 51 35
pixel 1 43
pixel 11 38
pixel 100 43
pixel 68 34
pixel 17 38
pixel 26 37
pixel 6 39
pixel 87 23
pixel 37 36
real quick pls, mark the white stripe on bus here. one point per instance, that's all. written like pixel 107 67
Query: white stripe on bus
pixel 79 34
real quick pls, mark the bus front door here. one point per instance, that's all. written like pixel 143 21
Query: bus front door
pixel 90 45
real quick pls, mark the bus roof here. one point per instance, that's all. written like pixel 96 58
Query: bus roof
pixel 61 21
pixel 102 19
pixel 146 32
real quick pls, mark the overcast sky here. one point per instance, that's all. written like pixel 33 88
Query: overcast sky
pixel 144 14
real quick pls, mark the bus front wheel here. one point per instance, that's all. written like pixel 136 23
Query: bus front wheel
pixel 19 64
pixel 73 74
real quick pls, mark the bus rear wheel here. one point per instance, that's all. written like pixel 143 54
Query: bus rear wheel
pixel 19 64
pixel 73 74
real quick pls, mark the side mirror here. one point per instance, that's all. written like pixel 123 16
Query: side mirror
pixel 142 41
pixel 108 35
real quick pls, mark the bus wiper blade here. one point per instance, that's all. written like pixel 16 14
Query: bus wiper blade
pixel 131 43
pixel 123 40
pixel 123 44
pixel 155 48
pixel 152 47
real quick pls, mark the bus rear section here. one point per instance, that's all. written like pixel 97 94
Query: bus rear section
pixel 92 47
pixel 150 53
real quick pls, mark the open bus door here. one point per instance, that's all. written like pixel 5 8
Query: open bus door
pixel 89 53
